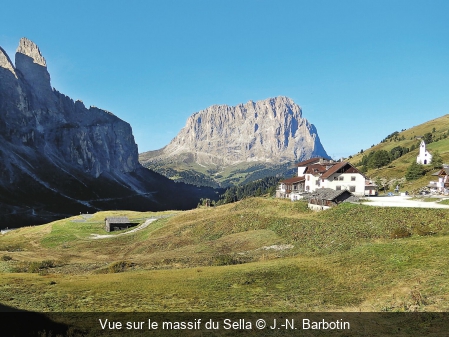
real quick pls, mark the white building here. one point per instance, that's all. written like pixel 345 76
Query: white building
pixel 291 188
pixel 442 185
pixel 424 156
pixel 321 173
pixel 336 176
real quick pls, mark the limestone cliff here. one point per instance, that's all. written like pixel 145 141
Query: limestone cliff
pixel 59 157
pixel 270 131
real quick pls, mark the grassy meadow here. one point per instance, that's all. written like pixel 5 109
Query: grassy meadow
pixel 258 254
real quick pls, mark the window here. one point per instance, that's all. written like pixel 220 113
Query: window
pixel 352 178
pixel 338 188
pixel 335 178
pixel 340 178
pixel 351 188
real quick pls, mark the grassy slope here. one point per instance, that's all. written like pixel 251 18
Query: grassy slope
pixel 398 168
pixel 224 176
pixel 289 259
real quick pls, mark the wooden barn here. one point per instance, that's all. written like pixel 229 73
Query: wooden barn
pixel 325 198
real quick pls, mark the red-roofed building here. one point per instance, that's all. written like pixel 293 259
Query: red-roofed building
pixel 291 188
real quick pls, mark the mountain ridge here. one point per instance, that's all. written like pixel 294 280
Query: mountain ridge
pixel 60 158
pixel 271 132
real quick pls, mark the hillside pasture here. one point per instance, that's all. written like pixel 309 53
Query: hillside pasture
pixel 254 255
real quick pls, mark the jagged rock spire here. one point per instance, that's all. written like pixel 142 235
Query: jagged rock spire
pixel 31 64
pixel 30 49
pixel 5 62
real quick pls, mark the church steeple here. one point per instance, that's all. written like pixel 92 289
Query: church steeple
pixel 424 156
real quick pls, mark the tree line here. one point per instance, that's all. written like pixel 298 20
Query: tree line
pixel 377 159
pixel 256 188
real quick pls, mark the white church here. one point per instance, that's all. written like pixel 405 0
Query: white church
pixel 424 156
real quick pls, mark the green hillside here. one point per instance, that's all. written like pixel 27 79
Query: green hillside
pixel 254 255
pixel 186 170
pixel 439 130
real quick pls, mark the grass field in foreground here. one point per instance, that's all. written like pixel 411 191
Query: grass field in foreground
pixel 254 255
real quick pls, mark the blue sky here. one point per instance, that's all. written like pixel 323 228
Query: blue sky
pixel 359 69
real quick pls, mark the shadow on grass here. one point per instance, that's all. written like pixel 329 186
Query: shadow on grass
pixel 16 322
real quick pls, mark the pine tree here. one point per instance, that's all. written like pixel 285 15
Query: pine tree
pixel 414 171
pixel 437 160
pixel 428 138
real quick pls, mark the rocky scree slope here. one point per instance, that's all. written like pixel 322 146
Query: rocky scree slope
pixel 59 158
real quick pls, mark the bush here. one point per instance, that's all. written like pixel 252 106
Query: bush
pixel 33 267
pixel 423 230
pixel 120 266
pixel 6 258
pixel 437 160
pixel 400 232
pixel 225 260
pixel 47 264
pixel 414 171
pixel 41 267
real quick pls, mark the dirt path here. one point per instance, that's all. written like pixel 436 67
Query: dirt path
pixel 138 228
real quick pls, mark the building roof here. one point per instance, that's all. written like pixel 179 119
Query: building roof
pixel 337 167
pixel 334 169
pixel 316 168
pixel 328 193
pixel 309 161
pixel 293 180
pixel 441 172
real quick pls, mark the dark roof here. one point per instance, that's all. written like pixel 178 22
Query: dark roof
pixel 293 180
pixel 316 168
pixel 334 169
pixel 440 172
pixel 328 193
pixel 309 161
pixel 337 167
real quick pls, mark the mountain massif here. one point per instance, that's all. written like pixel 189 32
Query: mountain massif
pixel 227 140
pixel 60 158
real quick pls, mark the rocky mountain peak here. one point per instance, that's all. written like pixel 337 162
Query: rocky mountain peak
pixel 59 158
pixel 30 49
pixel 32 66
pixel 5 62
pixel 268 131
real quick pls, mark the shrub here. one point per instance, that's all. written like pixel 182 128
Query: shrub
pixel 6 258
pixel 224 260
pixel 33 267
pixel 414 171
pixel 423 230
pixel 47 264
pixel 40 267
pixel 437 160
pixel 13 248
pixel 400 232
pixel 120 266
